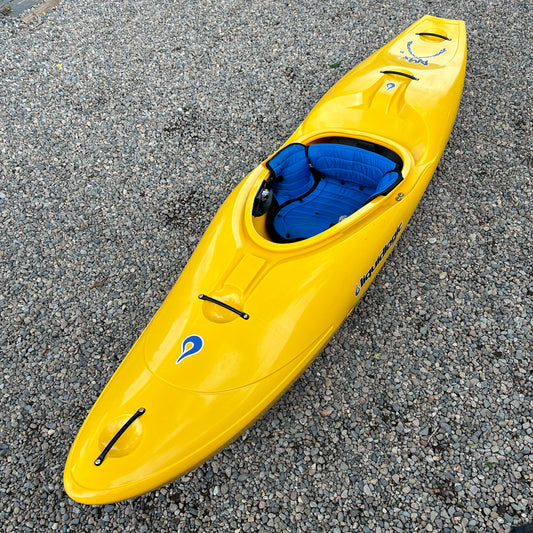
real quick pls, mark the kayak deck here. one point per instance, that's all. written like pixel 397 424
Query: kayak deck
pixel 249 314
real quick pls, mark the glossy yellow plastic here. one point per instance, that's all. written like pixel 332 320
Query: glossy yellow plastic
pixel 296 295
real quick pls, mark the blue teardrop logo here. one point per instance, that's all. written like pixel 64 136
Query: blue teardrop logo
pixel 191 345
pixel 390 85
pixel 357 290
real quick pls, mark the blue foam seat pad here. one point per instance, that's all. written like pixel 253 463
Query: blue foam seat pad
pixel 349 163
pixel 344 179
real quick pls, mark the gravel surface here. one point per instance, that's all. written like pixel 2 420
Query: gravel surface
pixel 123 126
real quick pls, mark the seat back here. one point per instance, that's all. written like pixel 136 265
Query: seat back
pixel 350 164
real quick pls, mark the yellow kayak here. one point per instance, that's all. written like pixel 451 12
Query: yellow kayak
pixel 285 260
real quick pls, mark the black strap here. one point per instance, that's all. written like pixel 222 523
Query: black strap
pixel 430 34
pixel 120 432
pixel 399 73
pixel 224 305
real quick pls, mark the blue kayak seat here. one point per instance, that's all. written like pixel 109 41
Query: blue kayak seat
pixel 316 186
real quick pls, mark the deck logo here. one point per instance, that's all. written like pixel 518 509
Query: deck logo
pixel 191 345
pixel 411 57
pixel 378 260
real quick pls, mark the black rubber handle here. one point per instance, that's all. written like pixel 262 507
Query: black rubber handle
pixel 434 35
pixel 410 76
pixel 226 306
pixel 119 434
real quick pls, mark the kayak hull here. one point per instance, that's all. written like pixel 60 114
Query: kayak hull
pixel 203 371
